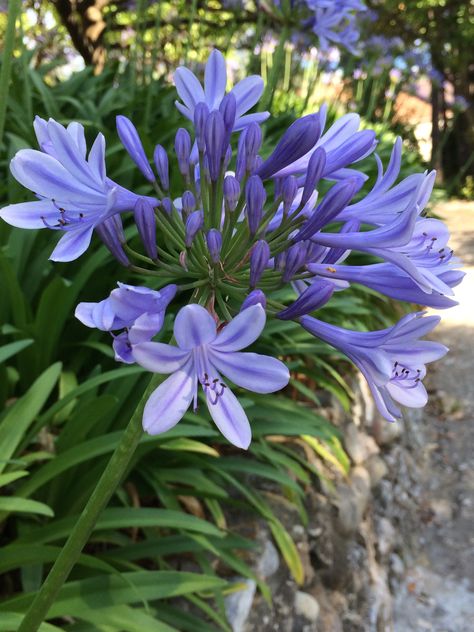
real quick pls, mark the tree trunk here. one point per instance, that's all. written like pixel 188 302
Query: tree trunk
pixel 85 24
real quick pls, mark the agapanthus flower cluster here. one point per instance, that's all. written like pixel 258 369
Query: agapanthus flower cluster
pixel 332 21
pixel 240 228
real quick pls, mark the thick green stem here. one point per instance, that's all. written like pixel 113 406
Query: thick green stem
pixel 99 499
pixel 8 45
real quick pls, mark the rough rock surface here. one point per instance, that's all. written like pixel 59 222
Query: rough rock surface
pixel 390 548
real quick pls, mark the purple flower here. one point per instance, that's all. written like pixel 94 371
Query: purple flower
pixel 201 357
pixel 385 202
pixel 391 281
pixel 392 360
pixel 74 192
pixel 247 92
pixel 296 142
pixel 138 310
pixel 343 145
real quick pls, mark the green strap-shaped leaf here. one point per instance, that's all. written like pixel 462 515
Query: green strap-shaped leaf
pixel 109 590
pixel 7 351
pixel 24 505
pixel 23 412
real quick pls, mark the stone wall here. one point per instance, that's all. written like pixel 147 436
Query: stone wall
pixel 359 534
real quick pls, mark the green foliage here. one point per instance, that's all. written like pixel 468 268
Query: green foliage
pixel 65 403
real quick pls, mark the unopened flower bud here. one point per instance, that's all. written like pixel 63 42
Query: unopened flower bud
pixel 215 143
pixel 289 190
pixel 167 205
pixel 253 142
pixel 201 113
pixel 162 166
pixel 145 220
pixel 314 297
pixel 299 138
pixel 231 192
pixel 131 141
pixel 255 196
pixel 259 258
pixel 228 109
pixel 255 297
pixel 295 259
pixel 182 146
pixel 314 173
pixel 214 244
pixel 189 203
pixel 111 233
pixel 194 223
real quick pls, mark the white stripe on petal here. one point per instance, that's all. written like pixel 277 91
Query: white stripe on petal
pixel 168 403
pixel 244 329
pixel 194 326
pixel 229 416
pixel 159 357
pixel 73 244
pixel 188 87
pixel 255 372
pixel 215 79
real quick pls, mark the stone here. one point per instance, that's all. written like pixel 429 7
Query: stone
pixel 386 432
pixel 239 603
pixel 353 500
pixel 397 565
pixel 306 606
pixel 377 469
pixel 359 445
pixel 269 561
pixel 442 510
pixel 386 537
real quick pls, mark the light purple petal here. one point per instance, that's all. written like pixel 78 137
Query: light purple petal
pixel 145 327
pixel 76 131
pixel 247 92
pixel 194 326
pixel 97 157
pixel 416 397
pixel 255 372
pixel 184 110
pixel 28 214
pixel 215 79
pixel 229 416
pixel 188 87
pixel 244 329
pixel 243 121
pixel 46 177
pixel 73 244
pixel 67 153
pixel 103 316
pixel 159 357
pixel 339 132
pixel 169 402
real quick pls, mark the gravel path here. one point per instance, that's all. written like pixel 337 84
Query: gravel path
pixel 437 591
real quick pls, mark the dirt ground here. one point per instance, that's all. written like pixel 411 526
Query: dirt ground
pixel 437 591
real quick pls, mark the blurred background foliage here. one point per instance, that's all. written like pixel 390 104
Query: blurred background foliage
pixel 171 531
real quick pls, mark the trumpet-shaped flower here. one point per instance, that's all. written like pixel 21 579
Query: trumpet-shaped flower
pixel 201 357
pixel 392 360
pixel 74 192
pixel 246 92
pixel 343 143
pixel 137 310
